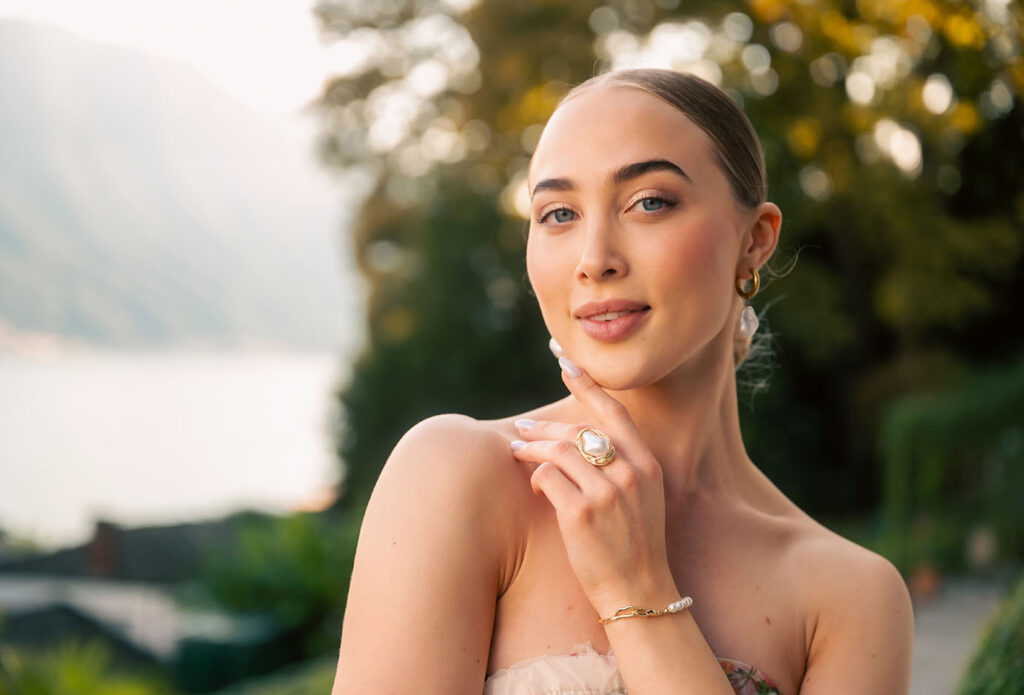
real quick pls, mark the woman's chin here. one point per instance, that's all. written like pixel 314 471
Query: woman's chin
pixel 616 377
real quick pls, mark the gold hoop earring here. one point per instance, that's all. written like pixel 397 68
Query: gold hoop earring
pixel 753 290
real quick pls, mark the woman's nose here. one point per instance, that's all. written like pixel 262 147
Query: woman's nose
pixel 601 258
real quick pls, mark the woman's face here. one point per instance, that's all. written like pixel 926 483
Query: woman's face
pixel 628 203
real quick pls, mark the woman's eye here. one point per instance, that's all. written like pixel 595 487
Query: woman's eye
pixel 653 203
pixel 560 215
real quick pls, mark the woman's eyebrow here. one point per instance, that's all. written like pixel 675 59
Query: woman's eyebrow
pixel 631 171
pixel 623 173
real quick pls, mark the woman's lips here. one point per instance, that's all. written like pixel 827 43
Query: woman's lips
pixel 616 329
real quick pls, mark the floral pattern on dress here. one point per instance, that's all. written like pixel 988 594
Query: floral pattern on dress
pixel 747 680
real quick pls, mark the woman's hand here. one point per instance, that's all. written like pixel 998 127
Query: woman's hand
pixel 612 518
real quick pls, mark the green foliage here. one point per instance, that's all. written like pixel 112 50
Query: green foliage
pixel 907 207
pixel 14 545
pixel 74 668
pixel 315 677
pixel 294 568
pixel 953 462
pixel 997 667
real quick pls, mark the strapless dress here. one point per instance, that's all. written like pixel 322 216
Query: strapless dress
pixel 585 671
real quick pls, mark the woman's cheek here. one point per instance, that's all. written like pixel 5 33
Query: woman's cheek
pixel 693 273
pixel 697 252
pixel 547 276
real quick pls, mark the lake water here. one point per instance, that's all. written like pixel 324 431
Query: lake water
pixel 152 438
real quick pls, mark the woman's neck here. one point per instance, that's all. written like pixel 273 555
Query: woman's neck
pixel 690 422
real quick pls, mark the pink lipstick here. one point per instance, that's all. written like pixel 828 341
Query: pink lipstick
pixel 611 319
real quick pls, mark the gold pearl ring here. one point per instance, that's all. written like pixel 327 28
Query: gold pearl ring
pixel 595 446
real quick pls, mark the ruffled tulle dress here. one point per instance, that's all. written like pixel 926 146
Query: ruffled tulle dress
pixel 585 671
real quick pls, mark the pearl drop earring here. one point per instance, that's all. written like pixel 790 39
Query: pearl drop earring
pixel 748 322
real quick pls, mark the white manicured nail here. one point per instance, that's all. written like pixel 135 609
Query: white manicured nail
pixel 569 366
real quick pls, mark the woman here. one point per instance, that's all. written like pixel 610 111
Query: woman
pixel 494 553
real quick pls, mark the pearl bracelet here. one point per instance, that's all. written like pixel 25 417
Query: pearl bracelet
pixel 634 612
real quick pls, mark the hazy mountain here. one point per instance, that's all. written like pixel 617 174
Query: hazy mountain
pixel 141 205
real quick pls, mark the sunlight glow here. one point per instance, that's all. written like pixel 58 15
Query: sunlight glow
pixel 937 93
pixel 672 45
pixel 900 145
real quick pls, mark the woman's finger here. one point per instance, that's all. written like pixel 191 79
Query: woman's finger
pixel 564 454
pixel 549 480
pixel 532 430
pixel 612 417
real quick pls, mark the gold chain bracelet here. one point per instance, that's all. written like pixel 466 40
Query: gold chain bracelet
pixel 635 612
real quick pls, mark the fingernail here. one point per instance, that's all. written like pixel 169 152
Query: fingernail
pixel 570 368
pixel 525 423
pixel 555 348
pixel 517 444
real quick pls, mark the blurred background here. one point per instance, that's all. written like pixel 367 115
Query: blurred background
pixel 245 246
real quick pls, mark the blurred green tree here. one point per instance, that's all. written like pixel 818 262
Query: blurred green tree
pixel 294 568
pixel 311 677
pixel 74 668
pixel 954 475
pixel 893 135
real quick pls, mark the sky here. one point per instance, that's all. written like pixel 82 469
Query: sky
pixel 267 53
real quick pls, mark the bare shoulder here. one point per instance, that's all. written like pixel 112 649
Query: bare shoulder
pixel 436 544
pixel 844 574
pixel 452 450
pixel 861 636
pixel 455 466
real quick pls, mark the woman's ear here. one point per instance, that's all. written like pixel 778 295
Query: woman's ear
pixel 762 236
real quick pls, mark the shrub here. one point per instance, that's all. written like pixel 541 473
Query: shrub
pixel 953 463
pixel 76 667
pixel 997 667
pixel 294 568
